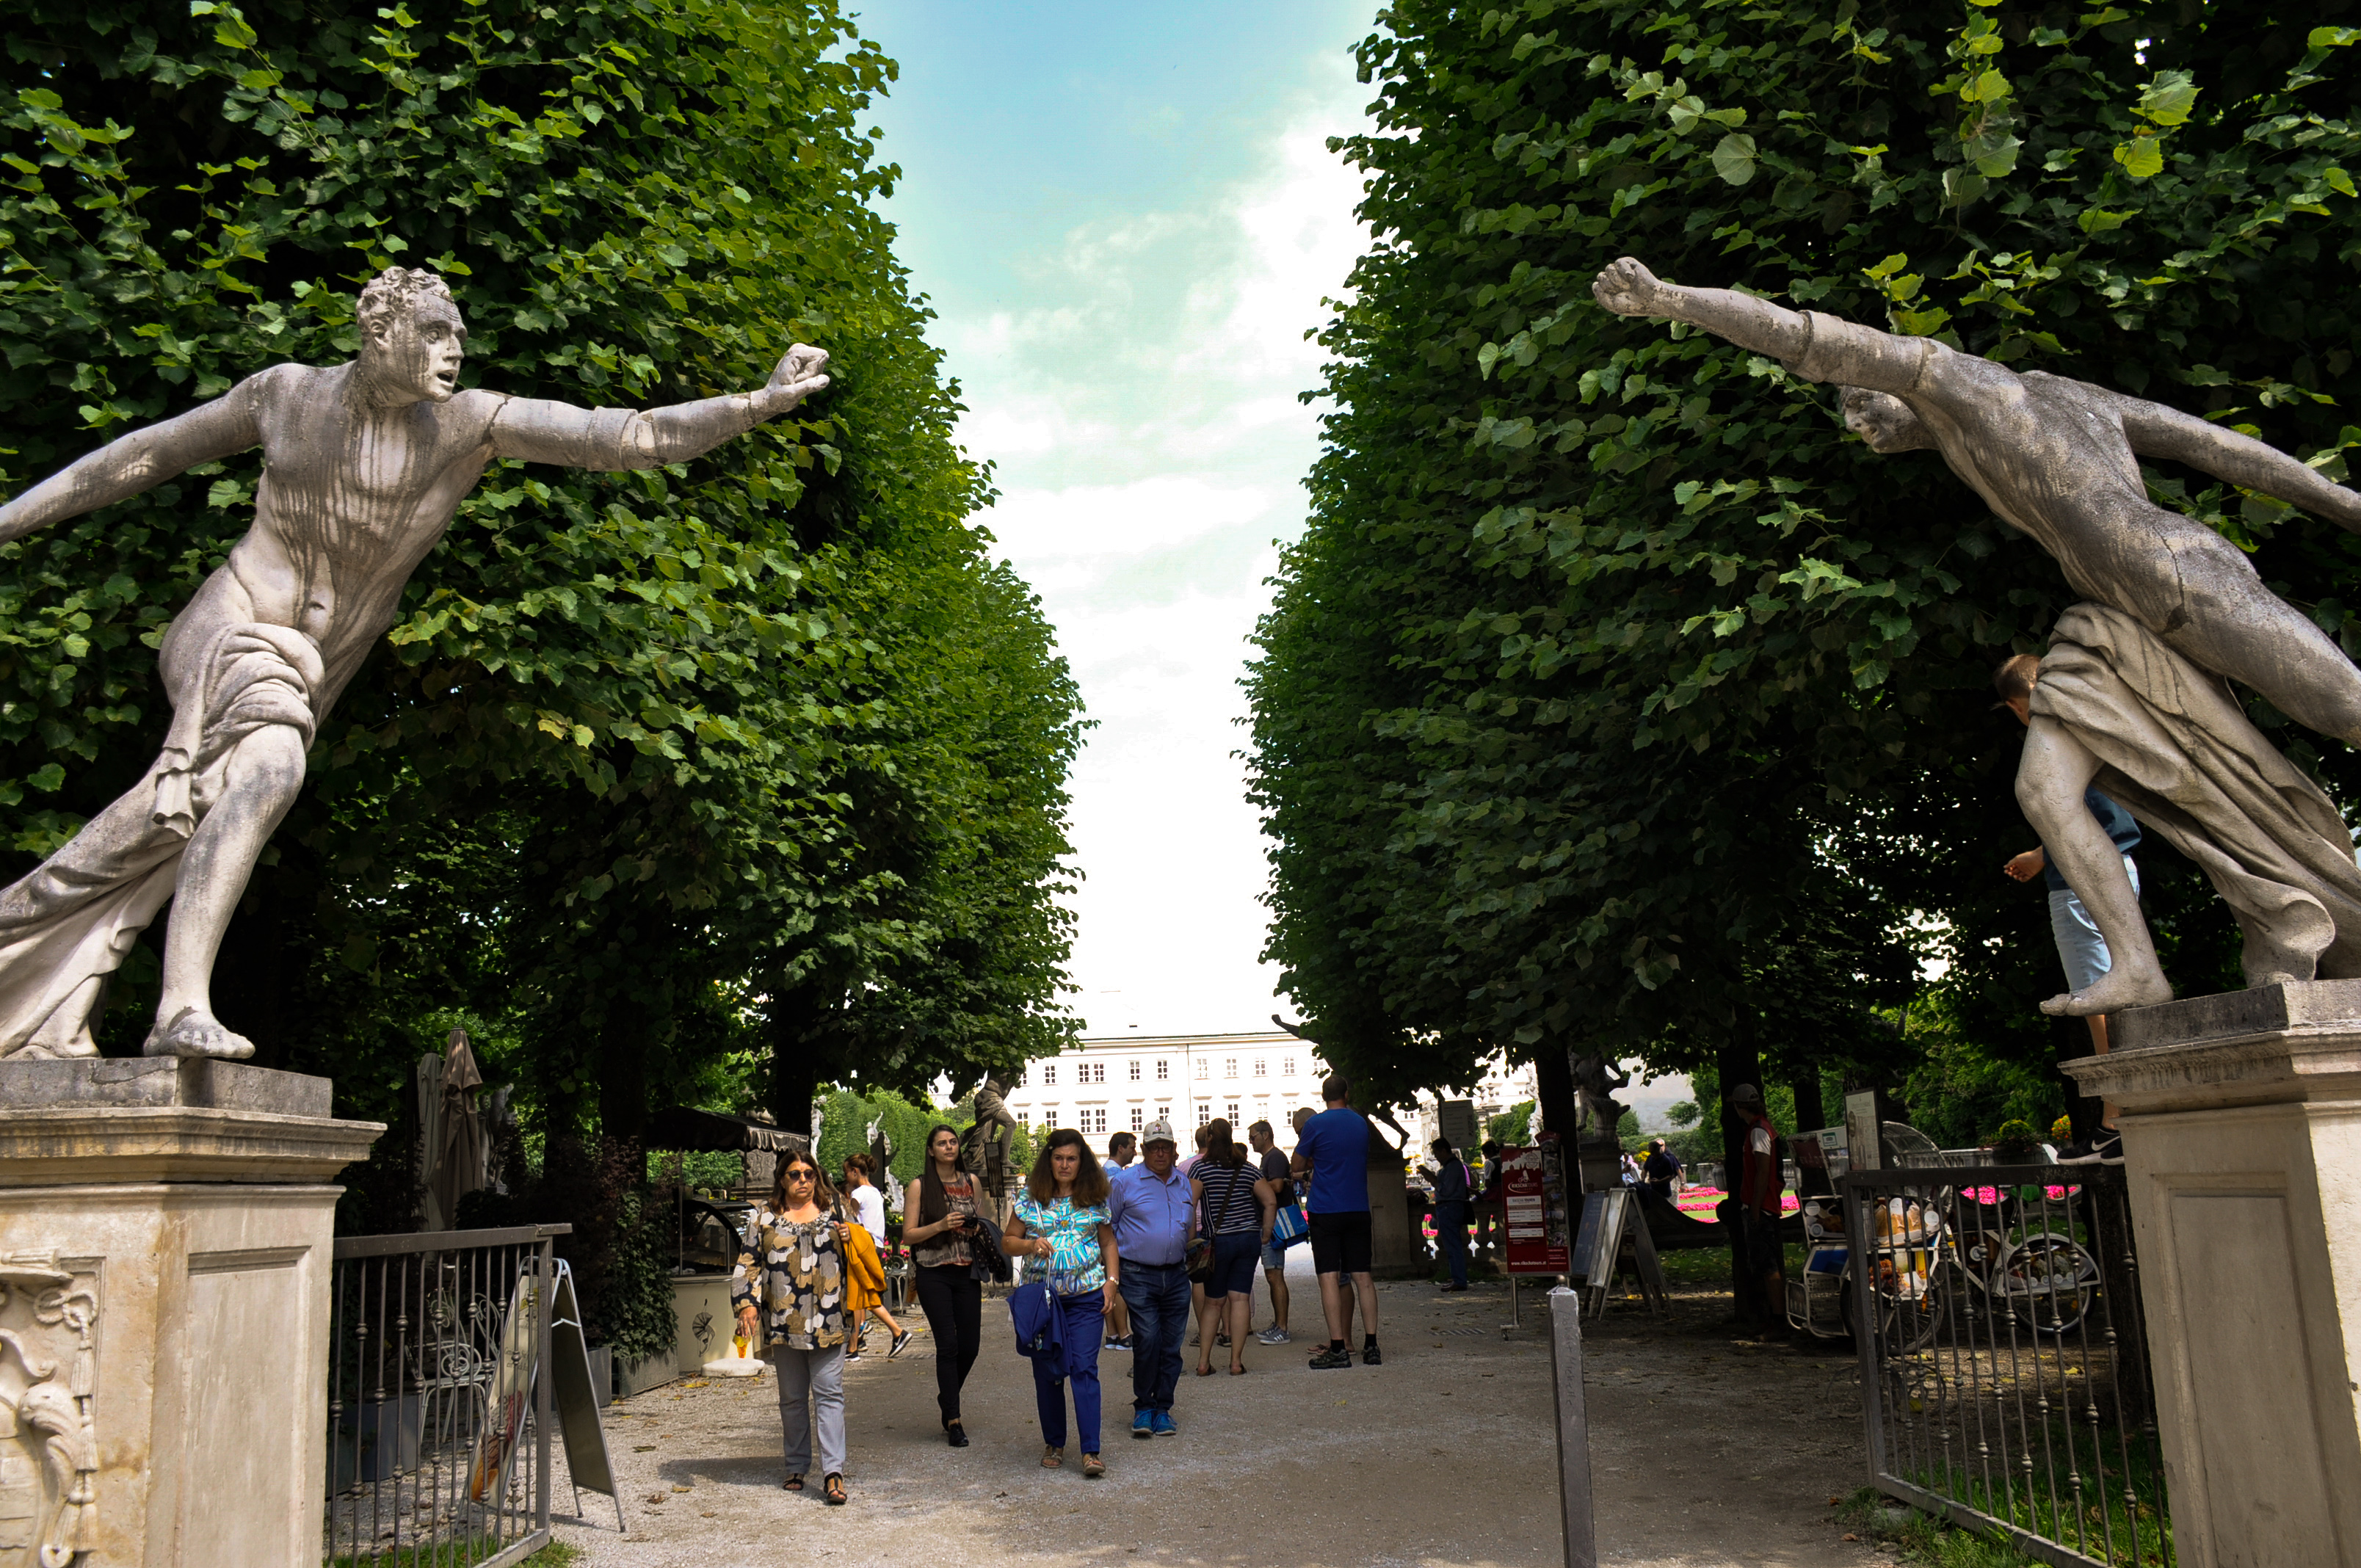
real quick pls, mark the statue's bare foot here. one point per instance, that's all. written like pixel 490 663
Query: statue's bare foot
pixel 193 1032
pixel 2111 992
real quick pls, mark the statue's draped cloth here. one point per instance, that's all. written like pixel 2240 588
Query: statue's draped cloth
pixel 2181 756
pixel 71 921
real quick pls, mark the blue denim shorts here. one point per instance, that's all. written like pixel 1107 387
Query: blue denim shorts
pixel 2080 947
pixel 1274 1257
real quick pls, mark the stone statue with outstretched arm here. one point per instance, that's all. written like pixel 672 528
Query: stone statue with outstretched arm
pixel 364 466
pixel 2059 459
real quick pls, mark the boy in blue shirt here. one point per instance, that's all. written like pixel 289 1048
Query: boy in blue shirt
pixel 1332 1155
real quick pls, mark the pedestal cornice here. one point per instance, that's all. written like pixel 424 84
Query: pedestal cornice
pixel 2271 1045
pixel 68 1146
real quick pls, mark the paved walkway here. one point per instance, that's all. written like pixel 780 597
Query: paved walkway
pixel 1707 1452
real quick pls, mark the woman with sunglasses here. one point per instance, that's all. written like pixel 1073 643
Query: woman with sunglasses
pixel 792 1263
pixel 942 1260
pixel 1060 1225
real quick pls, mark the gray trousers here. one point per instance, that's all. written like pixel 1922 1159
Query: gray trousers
pixel 809 1377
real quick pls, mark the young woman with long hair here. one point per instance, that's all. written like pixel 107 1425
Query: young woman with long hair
pixel 1061 1229
pixel 1235 1208
pixel 869 1208
pixel 790 1278
pixel 942 1260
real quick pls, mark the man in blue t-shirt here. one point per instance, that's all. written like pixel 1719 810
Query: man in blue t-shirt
pixel 1332 1152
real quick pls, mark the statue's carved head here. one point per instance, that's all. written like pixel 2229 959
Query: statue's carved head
pixel 411 338
pixel 1885 422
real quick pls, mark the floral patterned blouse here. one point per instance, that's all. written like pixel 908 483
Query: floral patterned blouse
pixel 1075 1264
pixel 796 1272
pixel 949 1248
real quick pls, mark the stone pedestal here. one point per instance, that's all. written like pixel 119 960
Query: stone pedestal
pixel 2241 1117
pixel 165 1246
pixel 1396 1250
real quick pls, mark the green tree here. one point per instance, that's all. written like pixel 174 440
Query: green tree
pixel 1614 696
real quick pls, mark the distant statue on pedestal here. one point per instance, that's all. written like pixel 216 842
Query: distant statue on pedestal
pixel 1595 1083
pixel 2132 694
pixel 984 1150
pixel 365 465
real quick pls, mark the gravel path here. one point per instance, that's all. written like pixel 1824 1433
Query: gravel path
pixel 1708 1452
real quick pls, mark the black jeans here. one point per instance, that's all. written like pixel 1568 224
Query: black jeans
pixel 952 1300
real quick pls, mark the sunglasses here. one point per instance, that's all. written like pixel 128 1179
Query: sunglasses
pixel 803 1176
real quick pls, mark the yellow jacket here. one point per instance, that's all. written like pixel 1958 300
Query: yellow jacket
pixel 864 1273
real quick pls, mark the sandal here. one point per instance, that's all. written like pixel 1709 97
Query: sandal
pixel 1093 1467
pixel 793 1483
pixel 833 1490
pixel 1239 1370
pixel 1206 1370
pixel 1052 1458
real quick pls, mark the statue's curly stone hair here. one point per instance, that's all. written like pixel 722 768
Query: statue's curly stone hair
pixel 394 290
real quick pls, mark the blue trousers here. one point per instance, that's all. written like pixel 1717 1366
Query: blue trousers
pixel 1158 1295
pixel 1084 1329
pixel 1451 1237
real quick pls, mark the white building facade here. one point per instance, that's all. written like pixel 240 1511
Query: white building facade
pixel 1122 1082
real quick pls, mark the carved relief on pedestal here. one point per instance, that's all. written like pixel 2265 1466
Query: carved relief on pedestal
pixel 49 1454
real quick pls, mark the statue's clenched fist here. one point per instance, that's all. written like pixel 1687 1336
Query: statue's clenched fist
pixel 1628 289
pixel 796 377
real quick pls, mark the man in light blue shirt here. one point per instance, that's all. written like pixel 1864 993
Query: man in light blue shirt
pixel 1149 1205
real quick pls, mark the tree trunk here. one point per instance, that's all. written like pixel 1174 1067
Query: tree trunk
pixel 794 1077
pixel 623 1071
pixel 1811 1113
pixel 1554 1083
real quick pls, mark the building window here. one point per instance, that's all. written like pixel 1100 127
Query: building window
pixel 1287 1067
pixel 1234 1115
pixel 1230 1067
pixel 1138 1118
pixel 1048 1116
pixel 1135 1070
pixel 1050 1072
pixel 1163 1067
pixel 1204 1114
pixel 1262 1069
pixel 1164 1112
pixel 1024 1118
pixel 1205 1067
pixel 1092 1072
pixel 1097 1117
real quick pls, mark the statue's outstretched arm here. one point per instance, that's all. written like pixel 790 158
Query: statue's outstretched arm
pixel 2156 431
pixel 1629 288
pixel 541 432
pixel 1814 346
pixel 141 460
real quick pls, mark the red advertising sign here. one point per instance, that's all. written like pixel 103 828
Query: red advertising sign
pixel 1533 1190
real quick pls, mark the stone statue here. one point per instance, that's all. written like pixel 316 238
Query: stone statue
pixel 365 464
pixel 2132 694
pixel 987 1143
pixel 1595 1083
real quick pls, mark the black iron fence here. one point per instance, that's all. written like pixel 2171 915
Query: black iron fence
pixel 2004 1373
pixel 438 1428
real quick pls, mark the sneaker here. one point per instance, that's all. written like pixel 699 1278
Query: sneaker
pixel 851 1356
pixel 1369 1356
pixel 1162 1424
pixel 1273 1336
pixel 1222 1340
pixel 901 1342
pixel 1329 1358
pixel 1143 1424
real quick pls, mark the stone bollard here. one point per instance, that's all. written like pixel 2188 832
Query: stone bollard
pixel 165 1247
pixel 2241 1117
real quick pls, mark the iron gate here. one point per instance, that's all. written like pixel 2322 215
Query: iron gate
pixel 2005 1366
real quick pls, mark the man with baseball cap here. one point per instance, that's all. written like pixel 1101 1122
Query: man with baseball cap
pixel 1149 1205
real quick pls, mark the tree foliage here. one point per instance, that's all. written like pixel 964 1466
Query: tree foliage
pixel 655 767
pixel 1615 694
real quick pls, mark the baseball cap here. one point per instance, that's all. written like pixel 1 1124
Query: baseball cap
pixel 1159 1131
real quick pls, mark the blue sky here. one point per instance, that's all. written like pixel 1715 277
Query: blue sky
pixel 1125 217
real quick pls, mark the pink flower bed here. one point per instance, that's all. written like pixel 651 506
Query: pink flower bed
pixel 1700 1201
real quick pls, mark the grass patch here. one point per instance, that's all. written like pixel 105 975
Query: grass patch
pixel 556 1554
pixel 1921 1538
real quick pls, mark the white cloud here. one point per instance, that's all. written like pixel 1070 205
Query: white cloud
pixel 1150 446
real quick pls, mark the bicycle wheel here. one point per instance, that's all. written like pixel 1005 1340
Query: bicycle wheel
pixel 1905 1322
pixel 2047 1280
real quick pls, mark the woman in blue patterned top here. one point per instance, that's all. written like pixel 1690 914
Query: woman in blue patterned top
pixel 1060 1228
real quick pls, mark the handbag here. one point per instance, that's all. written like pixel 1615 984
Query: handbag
pixel 1289 1226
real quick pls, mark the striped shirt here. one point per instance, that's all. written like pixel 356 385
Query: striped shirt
pixel 1230 1206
